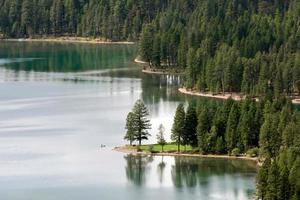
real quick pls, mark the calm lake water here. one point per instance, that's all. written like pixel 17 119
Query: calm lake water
pixel 60 102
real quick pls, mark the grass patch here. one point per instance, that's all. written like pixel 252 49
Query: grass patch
pixel 168 148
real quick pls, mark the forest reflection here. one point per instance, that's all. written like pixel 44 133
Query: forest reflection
pixel 186 172
pixel 61 57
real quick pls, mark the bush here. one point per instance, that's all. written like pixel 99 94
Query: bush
pixel 253 152
pixel 138 149
pixel 235 152
pixel 151 148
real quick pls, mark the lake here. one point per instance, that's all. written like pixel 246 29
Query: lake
pixel 60 102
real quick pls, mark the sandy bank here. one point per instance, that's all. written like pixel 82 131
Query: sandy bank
pixel 125 149
pixel 70 40
pixel 234 96
pixel 148 70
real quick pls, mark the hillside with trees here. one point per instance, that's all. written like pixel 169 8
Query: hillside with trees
pixel 250 47
pixel 245 46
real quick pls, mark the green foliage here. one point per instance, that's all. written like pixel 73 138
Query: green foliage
pixel 235 152
pixel 113 20
pixel 130 126
pixel 231 46
pixel 168 148
pixel 141 122
pixel 231 134
pixel 190 126
pixel 151 148
pixel 254 152
pixel 178 126
pixel 160 137
pixel 137 123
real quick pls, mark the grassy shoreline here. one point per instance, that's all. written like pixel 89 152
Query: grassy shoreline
pixel 171 150
pixel 67 40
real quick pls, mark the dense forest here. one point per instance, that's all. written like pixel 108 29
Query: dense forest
pixel 268 129
pixel 244 46
pixel 109 19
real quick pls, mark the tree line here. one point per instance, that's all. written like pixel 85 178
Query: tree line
pixel 268 129
pixel 109 19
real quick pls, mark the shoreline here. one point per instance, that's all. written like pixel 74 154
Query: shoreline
pixel 149 70
pixel 67 40
pixel 126 150
pixel 234 96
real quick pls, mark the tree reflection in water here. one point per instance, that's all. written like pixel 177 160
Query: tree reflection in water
pixel 189 172
pixel 136 168
pixel 160 170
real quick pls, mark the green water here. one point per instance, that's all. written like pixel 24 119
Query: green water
pixel 60 102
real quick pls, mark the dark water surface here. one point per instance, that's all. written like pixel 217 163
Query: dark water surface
pixel 60 102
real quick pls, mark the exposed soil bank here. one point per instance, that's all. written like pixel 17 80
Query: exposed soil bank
pixel 149 70
pixel 70 40
pixel 234 96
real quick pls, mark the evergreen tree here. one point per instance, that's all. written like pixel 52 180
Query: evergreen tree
pixel 272 182
pixel 27 17
pixel 160 137
pixel 262 179
pixel 203 128
pixel 130 126
pixel 190 126
pixel 178 126
pixel 146 44
pixel 141 122
pixel 231 136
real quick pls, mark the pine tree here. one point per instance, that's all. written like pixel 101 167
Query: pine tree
pixel 203 127
pixel 141 122
pixel 284 185
pixel 146 43
pixel 270 139
pixel 231 136
pixel 178 126
pixel 58 16
pixel 294 178
pixel 190 126
pixel 156 51
pixel 290 134
pixel 273 182
pixel 262 178
pixel 160 137
pixel 130 126
pixel 27 16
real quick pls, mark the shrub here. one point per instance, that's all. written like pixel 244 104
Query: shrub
pixel 235 152
pixel 151 148
pixel 253 152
